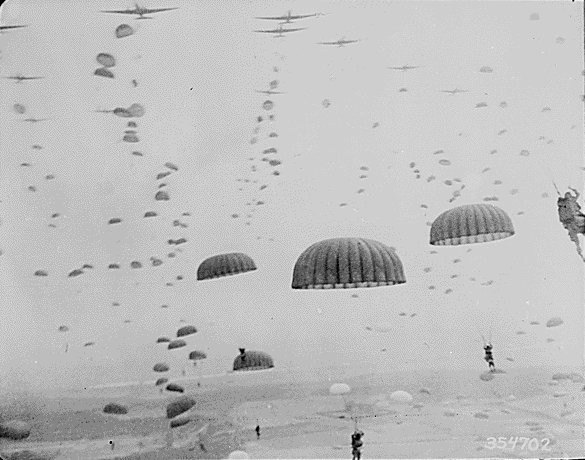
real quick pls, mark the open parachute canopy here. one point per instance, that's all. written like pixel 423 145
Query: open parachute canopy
pixel 124 30
pixel 161 381
pixel 347 263
pixel 161 367
pixel 472 223
pixel 19 108
pixel 339 389
pixel 161 195
pixel 197 355
pixel 163 340
pixel 150 214
pixel 177 343
pixel 224 265
pixel 103 72
pixel 136 110
pixel 63 328
pixel 186 330
pixel 174 387
pixel 179 406
pixel 252 361
pixel 105 59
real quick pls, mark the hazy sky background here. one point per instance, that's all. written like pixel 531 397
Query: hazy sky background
pixel 197 69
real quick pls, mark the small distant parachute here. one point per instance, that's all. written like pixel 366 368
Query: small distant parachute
pixel 105 59
pixel 554 322
pixel 347 263
pixel 161 367
pixel 124 30
pixel 19 108
pixel 534 17
pixel 197 355
pixel 135 264
pixel 524 153
pixel 163 340
pixel 75 272
pixel 137 153
pixel 41 273
pixel 103 72
pixel 186 330
pixel 161 195
pixel 63 328
pixel 467 224
pixel 136 110
pixel 225 265
pixel 486 69
pixel 444 162
pixel 491 198
pixel 326 103
pixel 161 381
pixel 150 214
pixel 274 162
pixel 132 124
pixel 268 105
pixel 401 396
pixel 156 262
pixel 172 166
pixel 175 388
pixel 252 361
pixel 113 408
pixel 270 150
pixel 520 332
pixel 131 138
pixel 339 389
pixel 481 104
pixel 177 343
pixel 88 344
pixel 503 104
pixel 113 266
pixel 162 175
pixel 114 220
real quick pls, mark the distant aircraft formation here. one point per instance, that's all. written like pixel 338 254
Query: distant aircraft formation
pixel 280 31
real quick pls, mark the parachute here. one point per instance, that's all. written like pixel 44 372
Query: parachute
pixel 171 166
pixel 347 263
pixel 268 105
pixel 176 388
pixel 105 59
pixel 401 396
pixel 486 69
pixel 224 265
pixel 113 266
pixel 554 322
pixel 135 264
pixel 162 175
pixel 113 408
pixel 161 381
pixel 131 138
pixel 180 421
pixel 177 343
pixel 136 110
pixel 186 330
pixel 444 162
pixel 163 340
pixel 103 72
pixel 179 406
pixel 114 220
pixel 155 262
pixel 19 108
pixel 161 195
pixel 124 30
pixel 41 273
pixel 252 361
pixel 474 223
pixel 150 214
pixel 197 355
pixel 339 389
pixel 131 124
pixel 161 367
pixel 63 328
pixel 75 272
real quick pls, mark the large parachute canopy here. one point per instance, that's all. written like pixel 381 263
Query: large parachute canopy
pixel 186 330
pixel 105 59
pixel 179 406
pixel 347 263
pixel 197 355
pixel 472 223
pixel 124 30
pixel 252 361
pixel 554 322
pixel 224 265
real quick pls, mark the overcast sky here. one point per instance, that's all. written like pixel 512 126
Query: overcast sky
pixel 197 70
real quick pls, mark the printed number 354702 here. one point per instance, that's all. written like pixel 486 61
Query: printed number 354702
pixel 515 442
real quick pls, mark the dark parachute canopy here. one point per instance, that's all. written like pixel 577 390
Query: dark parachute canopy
pixel 105 59
pixel 163 340
pixel 177 343
pixel 131 138
pixel 472 223
pixel 179 406
pixel 175 387
pixel 252 361
pixel 161 195
pixel 103 72
pixel 196 355
pixel 161 381
pixel 124 30
pixel 112 266
pixel 186 330
pixel 172 166
pixel 150 214
pixel 162 175
pixel 161 367
pixel 113 408
pixel 132 124
pixel 114 220
pixel 75 272
pixel 41 273
pixel 347 263
pixel 135 264
pixel 63 328
pixel 180 421
pixel 224 265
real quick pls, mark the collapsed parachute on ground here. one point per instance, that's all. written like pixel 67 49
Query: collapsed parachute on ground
pixel 113 408
pixel 161 367
pixel 339 389
pixel 41 273
pixel 473 223
pixel 553 322
pixel 347 263
pixel 179 406
pixel 177 343
pixel 103 72
pixel 174 387
pixel 197 355
pixel 225 265
pixel 161 195
pixel 105 59
pixel 124 30
pixel 252 361
pixel 186 330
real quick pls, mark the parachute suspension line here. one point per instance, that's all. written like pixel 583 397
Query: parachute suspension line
pixel 556 188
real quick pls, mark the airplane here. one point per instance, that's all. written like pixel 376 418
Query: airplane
pixel 6 28
pixel 21 78
pixel 279 31
pixel 35 120
pixel 270 92
pixel 289 18
pixel 342 41
pixel 404 68
pixel 140 11
pixel 454 91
